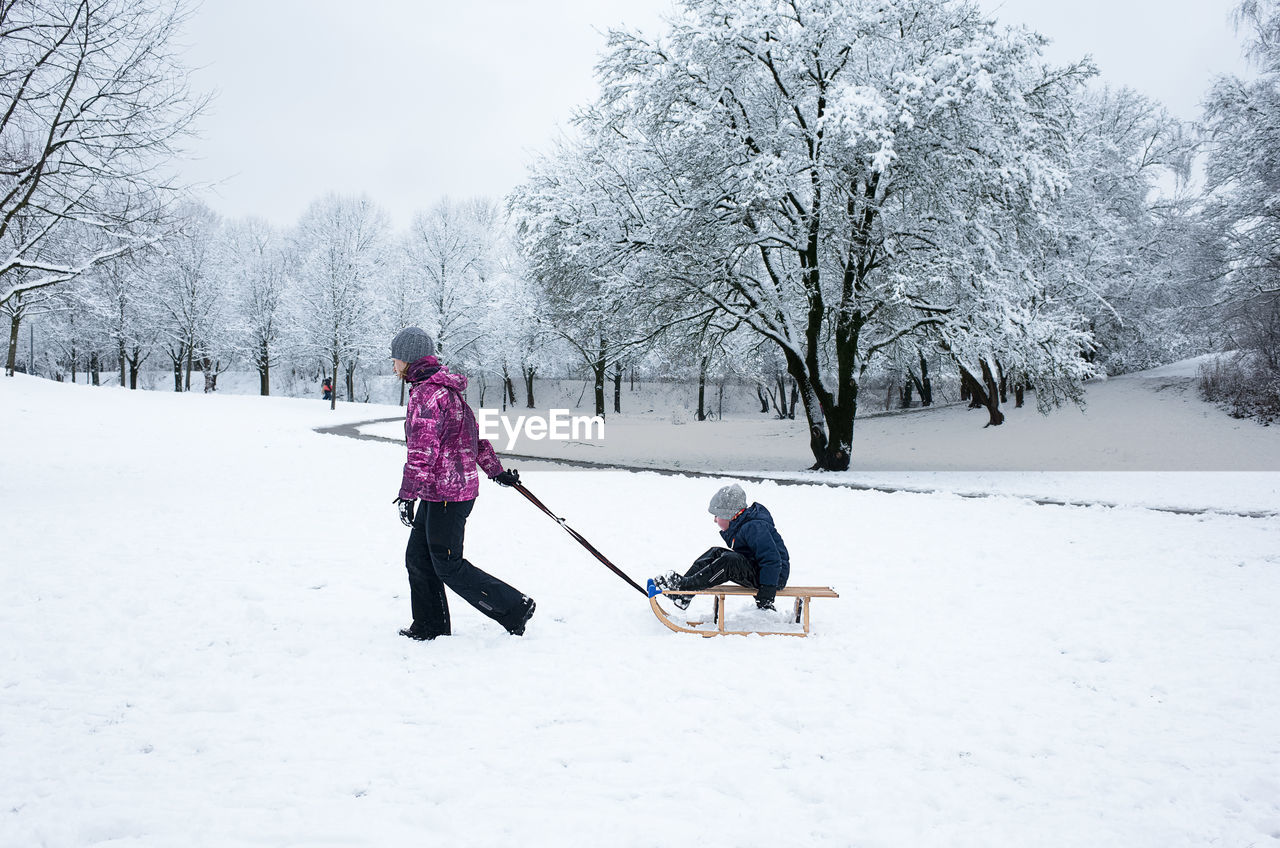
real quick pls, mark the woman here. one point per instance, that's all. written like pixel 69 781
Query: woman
pixel 444 450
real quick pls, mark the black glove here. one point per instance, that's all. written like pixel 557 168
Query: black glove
pixel 406 511
pixel 507 478
pixel 765 596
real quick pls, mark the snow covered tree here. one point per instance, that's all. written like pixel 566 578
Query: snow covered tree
pixel 605 302
pixel 28 300
pixel 116 301
pixel 1121 227
pixel 340 249
pixel 517 325
pixel 92 99
pixel 256 278
pixel 186 288
pixel 837 176
pixel 445 251
pixel 1242 126
pixel 400 298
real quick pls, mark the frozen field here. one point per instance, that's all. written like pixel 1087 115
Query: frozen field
pixel 199 599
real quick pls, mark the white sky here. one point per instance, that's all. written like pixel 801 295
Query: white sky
pixel 412 100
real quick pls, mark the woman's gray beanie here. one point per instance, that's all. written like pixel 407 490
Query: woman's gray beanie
pixel 728 502
pixel 411 344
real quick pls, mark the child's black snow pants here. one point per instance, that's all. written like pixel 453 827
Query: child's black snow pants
pixel 721 565
pixel 434 560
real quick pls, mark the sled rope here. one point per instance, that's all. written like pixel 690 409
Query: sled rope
pixel 519 487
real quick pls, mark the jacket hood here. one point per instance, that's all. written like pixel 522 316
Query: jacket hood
pixel 429 370
pixel 749 514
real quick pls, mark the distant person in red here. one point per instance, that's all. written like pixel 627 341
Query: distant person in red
pixel 327 388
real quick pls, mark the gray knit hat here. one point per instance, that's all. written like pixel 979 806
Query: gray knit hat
pixel 728 502
pixel 411 344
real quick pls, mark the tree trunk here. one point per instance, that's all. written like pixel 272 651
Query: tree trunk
pixel 972 389
pixel 889 391
pixel 177 372
pixel 511 389
pixel 993 408
pixel 135 365
pixel 351 381
pixel 702 390
pixel 904 394
pixel 830 423
pixel 599 374
pixel 795 396
pixel 95 369
pixel 617 388
pixel 528 386
pixel 1004 383
pixel 762 397
pixel 333 395
pixel 11 361
pixel 924 387
pixel 985 393
pixel 1018 396
pixel 191 352
pixel 264 371
pixel 210 371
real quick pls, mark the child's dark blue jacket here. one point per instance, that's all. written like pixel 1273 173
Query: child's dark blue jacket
pixel 753 535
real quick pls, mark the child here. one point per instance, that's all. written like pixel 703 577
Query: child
pixel 756 556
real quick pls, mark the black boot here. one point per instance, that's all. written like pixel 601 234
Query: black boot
pixel 417 633
pixel 669 581
pixel 515 620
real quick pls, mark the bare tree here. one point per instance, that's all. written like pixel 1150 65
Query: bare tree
pixel 188 291
pixel 255 276
pixel 340 250
pixel 445 252
pixel 93 97
pixel 116 302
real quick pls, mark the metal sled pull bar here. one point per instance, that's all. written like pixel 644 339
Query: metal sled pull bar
pixel 519 487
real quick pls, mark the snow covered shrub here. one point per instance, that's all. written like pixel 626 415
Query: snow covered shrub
pixel 1246 384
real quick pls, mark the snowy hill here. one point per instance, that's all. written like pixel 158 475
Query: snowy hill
pixel 199 599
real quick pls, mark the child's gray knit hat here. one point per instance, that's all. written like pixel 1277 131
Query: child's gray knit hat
pixel 728 502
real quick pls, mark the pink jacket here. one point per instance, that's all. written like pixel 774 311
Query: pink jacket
pixel 444 443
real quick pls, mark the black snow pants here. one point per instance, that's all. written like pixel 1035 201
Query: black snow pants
pixel 434 560
pixel 721 565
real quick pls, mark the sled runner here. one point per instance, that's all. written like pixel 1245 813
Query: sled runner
pixel 803 595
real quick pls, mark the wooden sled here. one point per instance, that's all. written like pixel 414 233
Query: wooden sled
pixel 804 595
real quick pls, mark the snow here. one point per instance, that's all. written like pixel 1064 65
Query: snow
pixel 1142 439
pixel 199 598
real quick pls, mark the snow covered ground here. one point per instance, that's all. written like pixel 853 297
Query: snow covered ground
pixel 199 599
pixel 1143 438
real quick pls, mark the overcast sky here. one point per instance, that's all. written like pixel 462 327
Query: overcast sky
pixel 412 100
